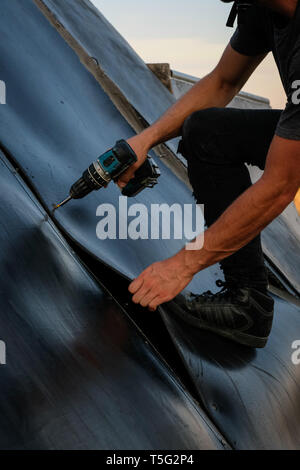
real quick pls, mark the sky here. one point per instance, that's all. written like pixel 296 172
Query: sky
pixel 190 35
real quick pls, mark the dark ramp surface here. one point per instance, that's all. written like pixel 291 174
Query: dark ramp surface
pixel 115 56
pixel 253 396
pixel 282 246
pixel 79 375
pixel 57 121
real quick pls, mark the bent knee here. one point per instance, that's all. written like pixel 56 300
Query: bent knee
pixel 200 123
pixel 199 128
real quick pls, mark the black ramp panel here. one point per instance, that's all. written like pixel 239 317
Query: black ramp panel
pixel 282 246
pixel 253 396
pixel 78 373
pixel 115 56
pixel 56 122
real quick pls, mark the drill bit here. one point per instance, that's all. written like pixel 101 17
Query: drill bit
pixel 61 203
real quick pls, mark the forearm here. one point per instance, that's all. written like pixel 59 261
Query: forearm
pixel 253 210
pixel 217 89
pixel 237 226
pixel 211 91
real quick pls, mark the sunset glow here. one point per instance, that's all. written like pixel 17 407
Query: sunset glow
pixel 190 35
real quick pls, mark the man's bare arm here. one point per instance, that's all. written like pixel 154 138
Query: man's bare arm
pixel 217 89
pixel 255 208
pixel 238 225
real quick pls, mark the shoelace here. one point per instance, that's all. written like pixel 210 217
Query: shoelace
pixel 228 290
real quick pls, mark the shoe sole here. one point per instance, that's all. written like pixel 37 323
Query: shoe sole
pixel 236 336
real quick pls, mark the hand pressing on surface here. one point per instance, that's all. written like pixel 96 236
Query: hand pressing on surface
pixel 160 282
pixel 243 220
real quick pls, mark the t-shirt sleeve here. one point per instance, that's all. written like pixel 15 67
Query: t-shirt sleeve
pixel 251 37
pixel 289 124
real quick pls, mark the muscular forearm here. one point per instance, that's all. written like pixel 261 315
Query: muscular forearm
pixel 211 91
pixel 253 210
pixel 238 225
pixel 217 89
pixel 242 221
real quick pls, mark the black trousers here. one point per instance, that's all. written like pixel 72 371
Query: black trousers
pixel 217 143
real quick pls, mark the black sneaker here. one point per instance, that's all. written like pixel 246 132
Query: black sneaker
pixel 242 314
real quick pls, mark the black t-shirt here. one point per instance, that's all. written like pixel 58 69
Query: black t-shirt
pixel 261 31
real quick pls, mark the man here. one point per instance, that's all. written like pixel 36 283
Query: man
pixel 217 142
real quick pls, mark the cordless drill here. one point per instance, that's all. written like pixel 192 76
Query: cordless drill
pixel 110 166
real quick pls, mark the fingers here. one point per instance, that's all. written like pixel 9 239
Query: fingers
pixel 147 295
pixel 153 287
pixel 143 289
pixel 125 178
pixel 139 297
pixel 148 299
pixel 136 284
pixel 155 302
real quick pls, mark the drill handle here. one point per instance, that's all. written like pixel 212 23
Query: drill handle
pixel 145 177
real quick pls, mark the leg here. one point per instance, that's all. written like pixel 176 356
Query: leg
pixel 217 143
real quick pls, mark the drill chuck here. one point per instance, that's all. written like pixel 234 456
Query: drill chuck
pixel 91 180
